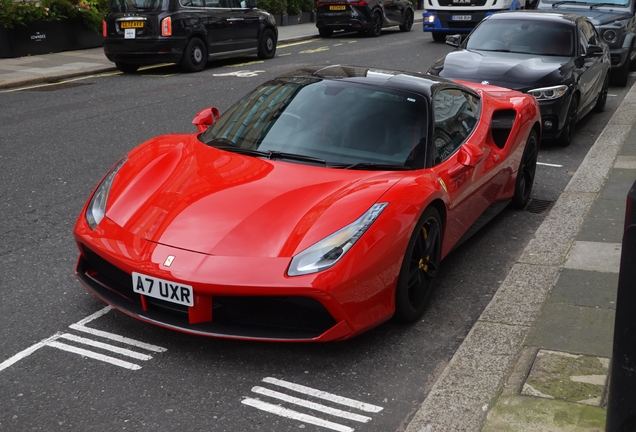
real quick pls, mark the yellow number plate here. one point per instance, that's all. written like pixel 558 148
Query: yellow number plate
pixel 131 24
pixel 337 8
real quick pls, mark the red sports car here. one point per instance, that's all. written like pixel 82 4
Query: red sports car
pixel 317 207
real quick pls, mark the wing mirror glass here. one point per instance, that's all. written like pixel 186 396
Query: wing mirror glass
pixel 205 118
pixel 454 40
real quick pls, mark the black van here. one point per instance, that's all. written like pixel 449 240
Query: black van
pixel 188 32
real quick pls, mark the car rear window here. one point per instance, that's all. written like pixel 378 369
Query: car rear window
pixel 138 5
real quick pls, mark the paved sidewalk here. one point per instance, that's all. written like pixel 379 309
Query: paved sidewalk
pixel 21 71
pixel 537 359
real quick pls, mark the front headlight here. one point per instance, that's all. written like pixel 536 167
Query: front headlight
pixel 610 36
pixel 97 207
pixel 328 251
pixel 549 93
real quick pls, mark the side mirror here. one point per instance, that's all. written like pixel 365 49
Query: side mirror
pixel 205 118
pixel 468 157
pixel 594 51
pixel 454 40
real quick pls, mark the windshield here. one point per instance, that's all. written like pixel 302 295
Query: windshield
pixel 340 123
pixel 136 5
pixel 607 3
pixel 523 36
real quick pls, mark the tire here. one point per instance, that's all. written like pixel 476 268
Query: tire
pixel 439 37
pixel 325 32
pixel 619 76
pixel 419 268
pixel 376 28
pixel 527 170
pixel 408 21
pixel 565 139
pixel 599 107
pixel 127 67
pixel 267 45
pixel 195 56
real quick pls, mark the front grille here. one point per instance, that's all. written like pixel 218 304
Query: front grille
pixel 266 317
pixel 459 5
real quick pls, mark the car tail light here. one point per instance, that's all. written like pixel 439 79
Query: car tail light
pixel 104 28
pixel 360 3
pixel 166 27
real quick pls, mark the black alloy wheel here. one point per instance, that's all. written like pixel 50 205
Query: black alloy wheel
pixel 127 67
pixel 527 170
pixel 408 21
pixel 570 123
pixel 324 32
pixel 267 45
pixel 419 268
pixel 195 56
pixel 599 107
pixel 376 28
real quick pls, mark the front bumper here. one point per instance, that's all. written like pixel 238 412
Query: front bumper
pixel 447 22
pixel 618 57
pixel 234 297
pixel 553 116
pixel 144 51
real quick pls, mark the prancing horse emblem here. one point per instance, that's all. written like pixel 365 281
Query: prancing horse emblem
pixel 168 261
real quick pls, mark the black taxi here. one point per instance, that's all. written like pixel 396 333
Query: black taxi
pixel 188 32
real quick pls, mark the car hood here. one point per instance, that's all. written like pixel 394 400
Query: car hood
pixel 175 190
pixel 515 71
pixel 597 16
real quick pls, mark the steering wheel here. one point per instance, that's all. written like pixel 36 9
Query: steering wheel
pixel 300 123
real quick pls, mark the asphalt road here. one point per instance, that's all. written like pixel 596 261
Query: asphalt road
pixel 58 141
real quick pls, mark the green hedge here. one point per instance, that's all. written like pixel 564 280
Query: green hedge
pixel 21 12
pixel 291 7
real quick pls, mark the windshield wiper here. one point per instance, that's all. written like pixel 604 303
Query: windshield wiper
pixel 371 166
pixel 270 154
pixel 601 4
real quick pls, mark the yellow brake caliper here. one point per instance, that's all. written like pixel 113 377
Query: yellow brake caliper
pixel 427 258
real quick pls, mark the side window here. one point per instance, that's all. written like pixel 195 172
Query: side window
pixel 456 114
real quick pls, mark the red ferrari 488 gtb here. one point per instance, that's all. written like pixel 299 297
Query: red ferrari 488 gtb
pixel 317 207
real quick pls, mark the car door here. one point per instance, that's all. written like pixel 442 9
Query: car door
pixel 591 67
pixel 459 160
pixel 246 23
pixel 220 26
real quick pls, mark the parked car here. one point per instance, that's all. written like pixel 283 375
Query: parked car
pixel 313 209
pixel 558 58
pixel 614 21
pixel 365 16
pixel 188 32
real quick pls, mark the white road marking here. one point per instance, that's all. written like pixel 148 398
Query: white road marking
pixel 27 352
pixel 52 342
pixel 550 165
pixel 324 395
pixel 311 405
pixel 287 413
pixel 105 346
pixel 117 338
pixel 240 74
pixel 93 355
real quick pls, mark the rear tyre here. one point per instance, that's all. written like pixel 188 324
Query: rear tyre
pixel 408 21
pixel 527 169
pixel 127 67
pixel 267 45
pixel 439 37
pixel 570 123
pixel 376 28
pixel 419 268
pixel 599 107
pixel 195 56
pixel 325 32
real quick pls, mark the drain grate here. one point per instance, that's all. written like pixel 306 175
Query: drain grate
pixel 538 206
pixel 55 86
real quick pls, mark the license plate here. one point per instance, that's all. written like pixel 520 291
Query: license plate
pixel 337 7
pixel 131 24
pixel 129 33
pixel 461 18
pixel 162 289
